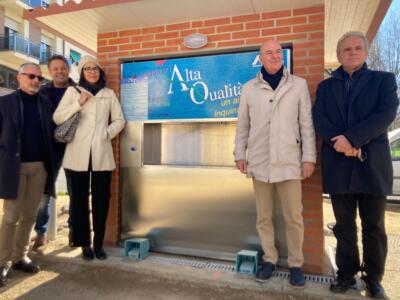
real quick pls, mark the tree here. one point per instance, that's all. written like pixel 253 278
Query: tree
pixel 384 53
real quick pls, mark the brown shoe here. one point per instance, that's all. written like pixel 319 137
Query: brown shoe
pixel 40 244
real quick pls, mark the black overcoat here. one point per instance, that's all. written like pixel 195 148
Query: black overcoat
pixel 363 119
pixel 11 124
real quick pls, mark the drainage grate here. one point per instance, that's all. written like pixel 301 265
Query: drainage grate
pixel 228 267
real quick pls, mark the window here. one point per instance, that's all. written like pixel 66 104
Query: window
pixel 10 38
pixel 395 149
pixel 75 56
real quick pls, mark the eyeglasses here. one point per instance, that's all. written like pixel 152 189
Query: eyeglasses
pixel 33 76
pixel 91 70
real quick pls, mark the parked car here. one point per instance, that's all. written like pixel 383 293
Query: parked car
pixel 394 140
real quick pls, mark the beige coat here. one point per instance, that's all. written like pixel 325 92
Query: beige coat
pixel 275 132
pixel 94 133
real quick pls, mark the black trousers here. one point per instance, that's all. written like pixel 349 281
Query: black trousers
pixel 374 240
pixel 99 182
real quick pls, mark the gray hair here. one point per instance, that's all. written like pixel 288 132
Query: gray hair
pixel 27 65
pixel 358 34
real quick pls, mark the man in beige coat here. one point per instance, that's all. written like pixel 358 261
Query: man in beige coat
pixel 275 145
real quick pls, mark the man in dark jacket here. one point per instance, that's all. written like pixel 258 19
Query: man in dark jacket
pixel 352 113
pixel 25 167
pixel 52 92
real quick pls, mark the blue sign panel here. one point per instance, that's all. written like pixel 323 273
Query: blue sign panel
pixel 188 88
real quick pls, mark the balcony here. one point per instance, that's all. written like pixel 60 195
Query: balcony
pixel 17 43
pixel 36 3
pixel 16 50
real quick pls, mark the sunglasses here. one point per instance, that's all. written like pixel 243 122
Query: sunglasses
pixel 33 76
pixel 91 70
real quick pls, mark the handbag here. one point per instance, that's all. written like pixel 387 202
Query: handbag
pixel 65 132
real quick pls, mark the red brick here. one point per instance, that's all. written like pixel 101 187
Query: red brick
pixel 118 54
pixel 101 56
pixel 308 45
pixel 316 35
pixel 309 10
pixel 107 35
pixel 291 21
pixel 215 22
pixel 292 37
pixel 260 24
pixel 219 37
pixel 230 28
pixel 141 52
pixel 276 14
pixel 107 49
pixel 174 42
pixel 309 27
pixel 179 26
pixel 308 61
pixel 197 24
pixel 129 46
pixel 129 32
pixel 255 41
pixel 207 30
pixel 231 43
pixel 246 18
pixel 185 33
pixel 299 70
pixel 167 35
pixel 113 69
pixel 101 43
pixel 118 41
pixel 316 69
pixel 316 52
pixel 245 34
pixel 276 31
pixel 153 44
pixel 316 18
pixel 166 49
pixel 299 53
pixel 142 38
pixel 155 29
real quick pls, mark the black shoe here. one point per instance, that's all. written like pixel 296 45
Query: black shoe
pixel 3 276
pixel 87 253
pixel 265 271
pixel 26 265
pixel 297 278
pixel 375 290
pixel 341 286
pixel 100 254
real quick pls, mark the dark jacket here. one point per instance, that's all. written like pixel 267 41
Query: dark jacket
pixel 11 124
pixel 45 93
pixel 363 119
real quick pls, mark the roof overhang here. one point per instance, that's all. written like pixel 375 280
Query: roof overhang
pixel 80 23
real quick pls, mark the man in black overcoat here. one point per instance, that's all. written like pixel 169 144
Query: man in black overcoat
pixel 352 113
pixel 26 167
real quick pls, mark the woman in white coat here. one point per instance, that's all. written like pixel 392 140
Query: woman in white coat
pixel 88 159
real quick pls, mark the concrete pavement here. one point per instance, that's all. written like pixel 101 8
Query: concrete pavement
pixel 66 276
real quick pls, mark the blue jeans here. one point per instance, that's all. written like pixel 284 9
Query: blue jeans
pixel 43 215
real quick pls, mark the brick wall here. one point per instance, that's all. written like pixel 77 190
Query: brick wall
pixel 303 27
